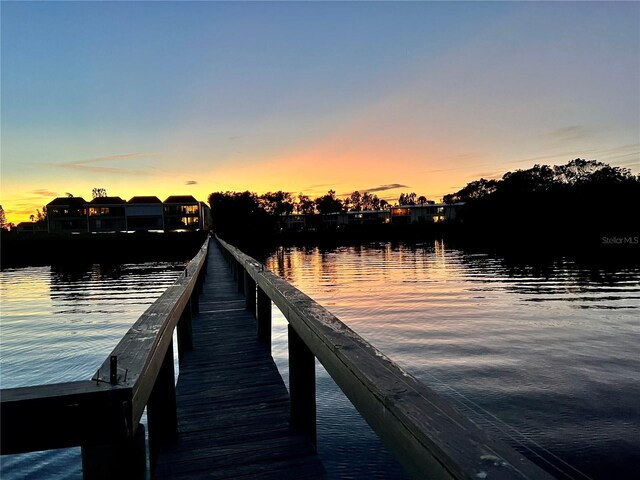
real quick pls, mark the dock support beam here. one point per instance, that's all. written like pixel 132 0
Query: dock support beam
pixel 185 335
pixel 162 417
pixel 249 293
pixel 127 459
pixel 264 317
pixel 302 385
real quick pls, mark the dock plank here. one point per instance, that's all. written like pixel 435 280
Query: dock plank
pixel 233 406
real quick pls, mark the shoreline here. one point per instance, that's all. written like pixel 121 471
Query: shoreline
pixel 594 247
pixel 30 250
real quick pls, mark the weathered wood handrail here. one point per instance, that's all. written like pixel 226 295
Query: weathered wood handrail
pixel 103 414
pixel 425 433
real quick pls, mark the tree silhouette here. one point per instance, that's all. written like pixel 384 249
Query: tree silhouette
pixel 328 203
pixel 3 219
pixel 407 199
pixel 98 192
pixel 355 200
pixel 370 201
pixel 305 205
pixel 277 203
pixel 571 201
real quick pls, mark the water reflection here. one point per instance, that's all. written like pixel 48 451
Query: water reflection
pixel 545 354
pixel 59 324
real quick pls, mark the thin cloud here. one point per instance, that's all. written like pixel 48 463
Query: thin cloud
pixel 568 134
pixel 111 158
pixel 382 188
pixel 111 170
pixel 86 164
pixel 190 182
pixel 44 193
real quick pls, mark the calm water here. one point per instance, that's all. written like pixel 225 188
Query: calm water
pixel 546 357
pixel 59 325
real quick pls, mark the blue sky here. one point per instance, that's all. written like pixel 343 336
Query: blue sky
pixel 177 97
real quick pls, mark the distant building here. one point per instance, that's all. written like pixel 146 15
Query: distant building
pixel 182 212
pixel 107 214
pixel 32 227
pixel 144 214
pixel 67 215
pixel 428 213
pixel 369 217
pixel 335 220
pixel 294 221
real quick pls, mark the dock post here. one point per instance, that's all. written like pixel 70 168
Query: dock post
pixel 162 417
pixel 127 459
pixel 185 335
pixel 249 293
pixel 264 317
pixel 302 385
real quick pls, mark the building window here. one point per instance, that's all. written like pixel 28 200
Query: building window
pixel 400 212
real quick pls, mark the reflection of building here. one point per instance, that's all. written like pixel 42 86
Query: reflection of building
pixel 144 214
pixel 107 214
pixel 182 212
pixel 67 215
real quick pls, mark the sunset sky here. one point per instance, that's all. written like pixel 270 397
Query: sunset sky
pixel 162 98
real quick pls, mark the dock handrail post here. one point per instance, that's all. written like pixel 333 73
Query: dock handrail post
pixel 263 315
pixel 126 459
pixel 302 385
pixel 249 293
pixel 185 335
pixel 162 417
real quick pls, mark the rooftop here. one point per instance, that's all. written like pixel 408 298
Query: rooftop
pixel 67 201
pixel 107 201
pixel 182 199
pixel 144 200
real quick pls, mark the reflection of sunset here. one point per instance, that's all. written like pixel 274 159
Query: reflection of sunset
pixel 384 278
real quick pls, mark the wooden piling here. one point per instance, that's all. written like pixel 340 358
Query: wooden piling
pixel 302 385
pixel 264 317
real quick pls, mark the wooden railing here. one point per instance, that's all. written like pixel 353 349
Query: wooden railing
pixel 426 434
pixel 102 415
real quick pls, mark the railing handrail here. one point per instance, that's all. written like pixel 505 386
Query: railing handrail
pixel 96 411
pixel 425 433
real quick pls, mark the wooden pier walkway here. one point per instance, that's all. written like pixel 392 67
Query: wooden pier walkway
pixel 232 404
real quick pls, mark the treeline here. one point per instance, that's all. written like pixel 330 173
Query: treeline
pixel 584 202
pixel 581 203
pixel 242 213
pixel 20 250
pixel 284 203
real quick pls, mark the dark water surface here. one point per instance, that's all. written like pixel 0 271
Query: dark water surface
pixel 545 356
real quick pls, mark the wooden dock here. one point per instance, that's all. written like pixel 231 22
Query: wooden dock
pixel 233 407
